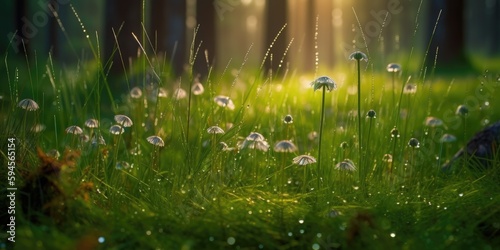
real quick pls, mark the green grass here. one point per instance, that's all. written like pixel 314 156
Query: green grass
pixel 191 194
pixel 184 203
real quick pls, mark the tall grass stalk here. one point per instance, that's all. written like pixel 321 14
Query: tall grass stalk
pixel 370 115
pixel 324 83
pixel 358 56
pixel 318 173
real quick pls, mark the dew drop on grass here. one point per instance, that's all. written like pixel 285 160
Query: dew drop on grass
pixel 211 238
pixel 261 246
pixel 148 232
pixel 318 235
pixel 302 231
pixel 461 194
pixel 290 234
pixel 301 221
pixel 101 239
pixel 393 235
pixel 315 246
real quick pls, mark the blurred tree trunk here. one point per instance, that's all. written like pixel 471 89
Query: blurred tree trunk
pixel 309 51
pixel 276 17
pixel 168 31
pixel 205 17
pixel 20 12
pixel 450 34
pixel 128 14
pixel 494 48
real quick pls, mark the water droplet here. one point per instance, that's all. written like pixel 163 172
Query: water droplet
pixel 211 238
pixel 302 231
pixel 101 239
pixel 460 194
pixel 315 246
pixel 301 221
pixel 148 232
pixel 261 246
pixel 231 240
pixel 318 235
pixel 290 234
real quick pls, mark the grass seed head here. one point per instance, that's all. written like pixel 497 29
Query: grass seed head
pixel 285 146
pixel 84 138
pixel 387 158
pixel 346 165
pixel 446 138
pixel 215 130
pixel 97 140
pixel 74 130
pixel 433 122
pixel 254 141
pixel 156 140
pixel 394 133
pixel 116 130
pixel 197 89
pixel 462 110
pixel 324 81
pixel 180 94
pixel 135 92
pixel 393 68
pixel 414 143
pixel 224 102
pixel 358 56
pixel 92 123
pixel 28 104
pixel 371 114
pixel 303 160
pixel 161 92
pixel 410 88
pixel 124 121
